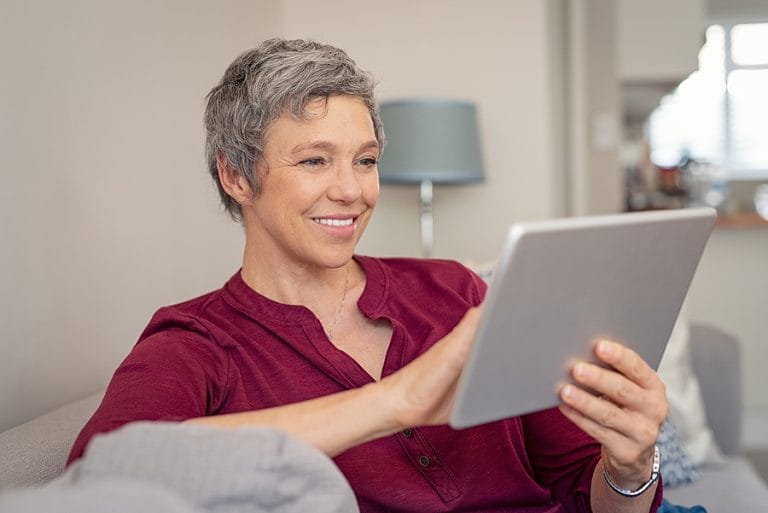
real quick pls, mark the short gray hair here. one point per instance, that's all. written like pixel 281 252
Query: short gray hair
pixel 278 76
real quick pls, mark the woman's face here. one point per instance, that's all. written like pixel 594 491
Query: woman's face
pixel 319 185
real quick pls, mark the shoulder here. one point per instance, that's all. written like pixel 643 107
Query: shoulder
pixel 434 276
pixel 420 278
pixel 191 325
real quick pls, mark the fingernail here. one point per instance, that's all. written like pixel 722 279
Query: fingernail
pixel 606 348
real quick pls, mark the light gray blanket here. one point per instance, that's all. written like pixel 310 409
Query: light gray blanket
pixel 181 468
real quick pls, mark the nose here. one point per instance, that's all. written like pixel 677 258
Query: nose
pixel 346 186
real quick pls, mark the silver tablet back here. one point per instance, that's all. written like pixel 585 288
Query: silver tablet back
pixel 561 284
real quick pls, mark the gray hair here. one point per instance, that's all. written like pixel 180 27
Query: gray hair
pixel 277 77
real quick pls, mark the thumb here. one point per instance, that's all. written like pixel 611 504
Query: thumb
pixel 459 340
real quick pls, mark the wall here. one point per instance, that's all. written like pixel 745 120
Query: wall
pixel 492 52
pixel 730 290
pixel 660 40
pixel 105 208
pixel 737 9
pixel 593 108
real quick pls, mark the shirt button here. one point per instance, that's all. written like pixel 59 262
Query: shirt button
pixel 408 433
pixel 423 461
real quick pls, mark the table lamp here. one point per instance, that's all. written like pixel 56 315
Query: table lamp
pixel 430 142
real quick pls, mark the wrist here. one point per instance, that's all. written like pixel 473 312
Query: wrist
pixel 634 490
pixel 379 404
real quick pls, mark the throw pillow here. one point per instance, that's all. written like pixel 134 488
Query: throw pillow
pixel 686 406
pixel 676 466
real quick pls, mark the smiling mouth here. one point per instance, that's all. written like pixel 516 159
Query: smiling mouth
pixel 333 222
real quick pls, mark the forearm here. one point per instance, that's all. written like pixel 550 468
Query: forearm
pixel 419 394
pixel 605 500
pixel 332 423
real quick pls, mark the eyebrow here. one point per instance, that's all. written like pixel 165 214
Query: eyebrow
pixel 328 146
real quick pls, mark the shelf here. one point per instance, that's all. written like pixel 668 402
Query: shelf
pixel 741 220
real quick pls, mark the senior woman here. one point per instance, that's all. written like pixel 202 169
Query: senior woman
pixel 360 356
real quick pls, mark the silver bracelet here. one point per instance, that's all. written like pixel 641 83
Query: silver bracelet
pixel 634 493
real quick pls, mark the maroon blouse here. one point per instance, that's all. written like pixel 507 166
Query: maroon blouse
pixel 234 350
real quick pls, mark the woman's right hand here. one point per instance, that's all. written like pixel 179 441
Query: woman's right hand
pixel 422 392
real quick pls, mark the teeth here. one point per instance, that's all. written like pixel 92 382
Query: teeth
pixel 333 222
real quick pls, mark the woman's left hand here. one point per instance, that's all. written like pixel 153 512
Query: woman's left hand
pixel 624 410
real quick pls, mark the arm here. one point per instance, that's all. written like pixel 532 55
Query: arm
pixel 624 414
pixel 419 394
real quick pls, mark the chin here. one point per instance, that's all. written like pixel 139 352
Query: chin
pixel 332 258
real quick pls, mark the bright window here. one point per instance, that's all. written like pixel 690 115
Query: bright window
pixel 719 114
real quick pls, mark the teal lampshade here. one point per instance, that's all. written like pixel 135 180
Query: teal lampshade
pixel 433 140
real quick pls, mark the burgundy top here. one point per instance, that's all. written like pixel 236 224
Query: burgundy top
pixel 234 350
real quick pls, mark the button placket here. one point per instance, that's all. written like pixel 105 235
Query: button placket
pixel 428 463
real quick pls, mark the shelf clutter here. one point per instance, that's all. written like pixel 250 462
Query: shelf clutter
pixel 695 184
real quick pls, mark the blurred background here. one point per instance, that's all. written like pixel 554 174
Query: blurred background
pixel 584 107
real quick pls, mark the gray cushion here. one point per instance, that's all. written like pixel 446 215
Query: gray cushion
pixel 185 468
pixel 35 452
pixel 730 486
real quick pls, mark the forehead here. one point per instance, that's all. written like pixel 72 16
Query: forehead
pixel 332 117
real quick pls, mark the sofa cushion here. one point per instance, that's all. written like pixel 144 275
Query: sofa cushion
pixel 731 485
pixel 35 452
pixel 686 405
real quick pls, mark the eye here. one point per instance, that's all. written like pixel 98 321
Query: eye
pixel 368 161
pixel 313 162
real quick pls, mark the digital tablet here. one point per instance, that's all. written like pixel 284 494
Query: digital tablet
pixel 561 284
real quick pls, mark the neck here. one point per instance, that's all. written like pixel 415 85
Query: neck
pixel 299 284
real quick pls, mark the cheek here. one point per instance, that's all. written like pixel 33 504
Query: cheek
pixel 370 190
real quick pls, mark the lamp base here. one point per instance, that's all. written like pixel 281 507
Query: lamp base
pixel 426 203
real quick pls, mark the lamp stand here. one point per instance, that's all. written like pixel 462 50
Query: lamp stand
pixel 426 196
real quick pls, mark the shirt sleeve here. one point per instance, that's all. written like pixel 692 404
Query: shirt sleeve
pixel 564 458
pixel 170 375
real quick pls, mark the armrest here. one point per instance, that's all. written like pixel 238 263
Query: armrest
pixel 716 360
pixel 35 452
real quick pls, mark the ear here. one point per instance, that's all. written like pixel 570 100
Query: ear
pixel 233 183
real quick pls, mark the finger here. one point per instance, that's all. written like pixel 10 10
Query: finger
pixel 623 455
pixel 606 437
pixel 422 391
pixel 460 338
pixel 611 384
pixel 626 361
pixel 605 417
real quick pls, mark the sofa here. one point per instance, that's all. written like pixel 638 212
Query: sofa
pixel 730 483
pixel 34 453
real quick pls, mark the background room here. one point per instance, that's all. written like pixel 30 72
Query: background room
pixel 107 212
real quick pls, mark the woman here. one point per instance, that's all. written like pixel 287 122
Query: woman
pixel 357 355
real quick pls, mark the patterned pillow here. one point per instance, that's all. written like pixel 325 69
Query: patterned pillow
pixel 676 466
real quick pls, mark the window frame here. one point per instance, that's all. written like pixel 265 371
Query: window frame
pixel 735 172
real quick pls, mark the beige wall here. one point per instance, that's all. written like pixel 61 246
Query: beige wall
pixel 595 184
pixel 730 290
pixel 105 208
pixel 493 52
